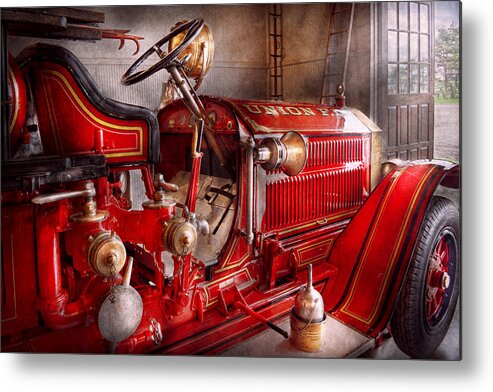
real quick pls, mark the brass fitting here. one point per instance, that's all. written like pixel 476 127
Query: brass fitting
pixel 179 236
pixel 106 254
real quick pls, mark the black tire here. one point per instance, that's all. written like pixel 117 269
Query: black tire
pixel 419 324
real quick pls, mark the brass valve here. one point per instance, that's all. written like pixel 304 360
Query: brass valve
pixel 179 236
pixel 106 254
pixel 89 211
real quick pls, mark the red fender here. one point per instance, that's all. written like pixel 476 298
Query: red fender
pixel 373 252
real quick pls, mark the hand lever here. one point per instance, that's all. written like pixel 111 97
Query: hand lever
pixel 87 192
pixel 89 211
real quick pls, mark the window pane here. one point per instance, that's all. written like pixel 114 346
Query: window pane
pixel 424 79
pixel 392 15
pixel 403 47
pixel 414 82
pixel 414 49
pixel 392 47
pixel 403 79
pixel 414 16
pixel 392 79
pixel 424 58
pixel 403 16
pixel 423 17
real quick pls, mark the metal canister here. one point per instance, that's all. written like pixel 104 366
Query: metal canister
pixel 307 318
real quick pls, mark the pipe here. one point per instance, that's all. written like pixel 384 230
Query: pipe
pixel 309 286
pixel 148 181
pixel 249 189
pixel 48 252
pixel 193 183
pixel 53 298
pixel 128 272
pixel 181 84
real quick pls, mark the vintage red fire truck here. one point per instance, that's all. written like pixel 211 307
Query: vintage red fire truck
pixel 242 196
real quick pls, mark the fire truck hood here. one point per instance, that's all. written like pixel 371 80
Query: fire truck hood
pixel 265 117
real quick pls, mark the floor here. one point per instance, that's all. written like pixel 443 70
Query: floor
pixel 339 341
pixel 449 349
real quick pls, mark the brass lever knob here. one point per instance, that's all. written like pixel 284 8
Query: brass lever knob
pixel 159 183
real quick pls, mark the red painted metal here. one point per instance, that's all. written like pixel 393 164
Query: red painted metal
pixel 293 201
pixel 358 243
pixel 18 269
pixel 271 117
pixel 372 254
pixel 18 108
pixel 61 103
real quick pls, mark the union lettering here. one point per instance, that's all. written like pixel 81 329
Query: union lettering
pixel 252 109
pixel 283 110
pixel 325 112
pixel 270 110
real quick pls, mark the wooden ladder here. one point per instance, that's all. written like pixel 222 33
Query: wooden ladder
pixel 332 75
pixel 275 51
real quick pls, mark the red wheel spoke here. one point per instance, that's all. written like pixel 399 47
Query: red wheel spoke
pixel 432 309
pixel 446 257
pixel 440 246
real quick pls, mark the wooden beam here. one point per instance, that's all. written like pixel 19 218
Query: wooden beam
pixel 23 20
pixel 74 15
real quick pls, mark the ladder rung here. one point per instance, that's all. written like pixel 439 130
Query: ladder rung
pixel 336 53
pixel 341 11
pixel 333 74
pixel 339 32
pixel 275 35
pixel 328 76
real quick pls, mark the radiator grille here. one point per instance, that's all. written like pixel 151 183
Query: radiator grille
pixel 333 151
pixel 333 180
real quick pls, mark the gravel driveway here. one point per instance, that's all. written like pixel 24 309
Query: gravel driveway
pixel 447 132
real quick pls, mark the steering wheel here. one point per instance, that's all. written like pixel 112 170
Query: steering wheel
pixel 192 28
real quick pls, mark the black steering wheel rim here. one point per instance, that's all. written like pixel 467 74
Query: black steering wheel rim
pixel 192 27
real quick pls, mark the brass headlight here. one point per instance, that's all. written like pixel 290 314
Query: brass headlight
pixel 201 52
pixel 288 153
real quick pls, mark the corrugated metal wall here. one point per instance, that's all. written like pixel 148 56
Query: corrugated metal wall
pixel 239 65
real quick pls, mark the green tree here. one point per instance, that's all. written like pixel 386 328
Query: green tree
pixel 447 61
